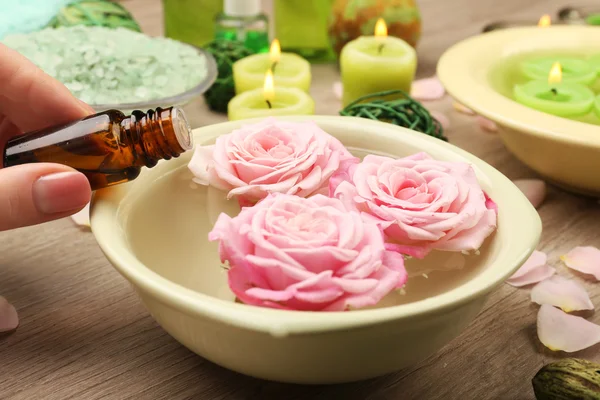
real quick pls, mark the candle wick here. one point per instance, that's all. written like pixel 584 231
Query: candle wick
pixel 273 67
pixel 269 103
pixel 554 91
pixel 380 48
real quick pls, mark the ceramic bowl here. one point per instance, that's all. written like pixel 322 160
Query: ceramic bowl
pixel 154 231
pixel 477 73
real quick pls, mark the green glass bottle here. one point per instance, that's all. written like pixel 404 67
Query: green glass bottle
pixel 191 21
pixel 242 21
pixel 301 27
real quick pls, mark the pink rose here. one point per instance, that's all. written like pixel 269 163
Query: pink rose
pixel 308 254
pixel 270 157
pixel 421 203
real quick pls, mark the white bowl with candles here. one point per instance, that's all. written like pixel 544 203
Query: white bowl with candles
pixel 154 231
pixel 541 86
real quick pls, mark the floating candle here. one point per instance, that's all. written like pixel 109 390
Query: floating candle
pixel 289 70
pixel 595 62
pixel 565 99
pixel 270 101
pixel 573 69
pixel 372 64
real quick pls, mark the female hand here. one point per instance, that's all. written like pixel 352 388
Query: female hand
pixel 30 100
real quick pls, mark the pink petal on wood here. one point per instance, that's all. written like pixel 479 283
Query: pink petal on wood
pixel 442 118
pixel 534 270
pixel 486 124
pixel 427 89
pixel 9 319
pixel 558 330
pixel 463 109
pixel 338 90
pixel 563 293
pixel 584 259
pixel 82 218
pixel 533 189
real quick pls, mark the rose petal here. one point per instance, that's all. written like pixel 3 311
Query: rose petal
pixel 533 270
pixel 463 109
pixel 486 124
pixel 563 293
pixel 82 218
pixel 533 189
pixel 427 89
pixel 338 90
pixel 584 259
pixel 9 319
pixel 441 117
pixel 558 330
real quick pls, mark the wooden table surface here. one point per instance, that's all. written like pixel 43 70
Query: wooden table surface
pixel 85 335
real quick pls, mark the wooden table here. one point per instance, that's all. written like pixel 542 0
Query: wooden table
pixel 85 335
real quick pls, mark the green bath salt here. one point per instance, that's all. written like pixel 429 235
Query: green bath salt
pixel 112 66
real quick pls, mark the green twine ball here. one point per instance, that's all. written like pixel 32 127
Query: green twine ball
pixel 94 13
pixel 226 52
pixel 403 111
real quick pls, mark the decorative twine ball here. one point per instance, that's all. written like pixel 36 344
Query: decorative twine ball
pixel 403 111
pixel 353 18
pixel 226 52
pixel 94 13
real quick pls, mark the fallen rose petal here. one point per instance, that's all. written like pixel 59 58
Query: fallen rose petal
pixel 338 90
pixel 82 218
pixel 427 89
pixel 442 118
pixel 463 109
pixel 533 271
pixel 533 189
pixel 584 259
pixel 486 124
pixel 558 330
pixel 560 292
pixel 9 319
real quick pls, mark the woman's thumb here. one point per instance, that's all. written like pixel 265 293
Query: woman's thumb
pixel 34 193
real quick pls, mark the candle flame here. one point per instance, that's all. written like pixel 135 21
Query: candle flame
pixel 381 28
pixel 555 75
pixel 545 21
pixel 275 51
pixel 269 87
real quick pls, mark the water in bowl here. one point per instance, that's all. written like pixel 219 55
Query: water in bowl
pixel 169 234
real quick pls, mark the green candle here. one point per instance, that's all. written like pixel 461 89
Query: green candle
pixel 270 101
pixel 564 99
pixel 595 62
pixel 574 70
pixel 372 64
pixel 597 106
pixel 593 19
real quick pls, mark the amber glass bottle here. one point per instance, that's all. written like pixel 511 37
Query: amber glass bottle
pixel 109 148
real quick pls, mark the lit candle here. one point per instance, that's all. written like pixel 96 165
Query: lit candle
pixel 373 64
pixel 565 99
pixel 289 70
pixel 270 100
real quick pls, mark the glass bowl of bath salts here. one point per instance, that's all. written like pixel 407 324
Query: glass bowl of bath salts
pixel 119 68
pixel 180 99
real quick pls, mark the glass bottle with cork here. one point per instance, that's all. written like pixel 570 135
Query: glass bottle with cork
pixel 108 148
pixel 243 21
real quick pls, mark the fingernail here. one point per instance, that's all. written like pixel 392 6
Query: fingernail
pixel 61 192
